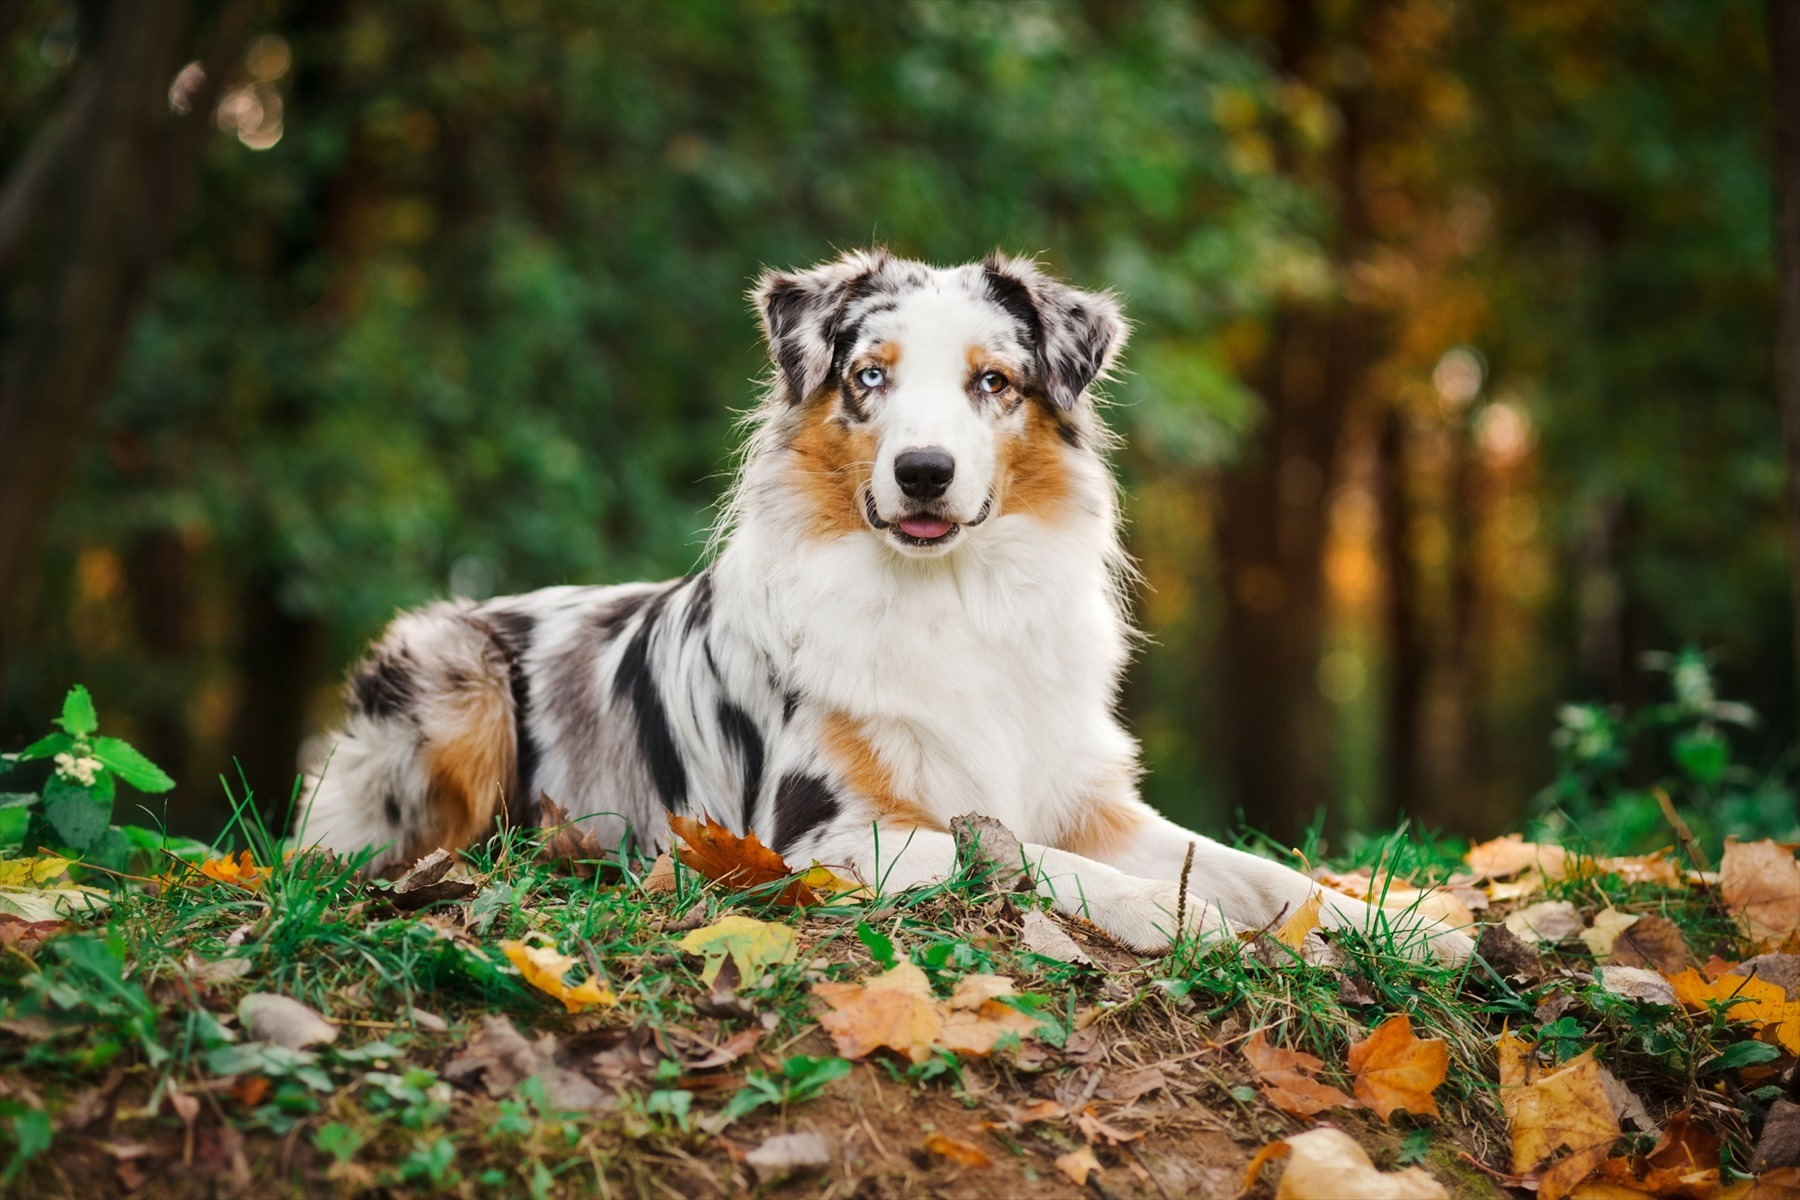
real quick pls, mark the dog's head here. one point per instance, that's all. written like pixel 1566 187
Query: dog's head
pixel 920 402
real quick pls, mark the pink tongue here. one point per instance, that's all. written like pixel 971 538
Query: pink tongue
pixel 924 528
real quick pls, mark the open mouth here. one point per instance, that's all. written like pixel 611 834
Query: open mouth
pixel 920 529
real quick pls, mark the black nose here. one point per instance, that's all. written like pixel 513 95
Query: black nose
pixel 924 474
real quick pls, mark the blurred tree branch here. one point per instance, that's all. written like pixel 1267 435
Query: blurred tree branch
pixel 86 221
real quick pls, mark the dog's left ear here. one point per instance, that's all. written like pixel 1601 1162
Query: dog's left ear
pixel 1075 335
pixel 802 312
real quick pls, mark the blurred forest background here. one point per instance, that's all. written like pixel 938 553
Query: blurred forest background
pixel 1452 393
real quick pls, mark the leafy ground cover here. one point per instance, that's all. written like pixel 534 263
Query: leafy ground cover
pixel 540 1018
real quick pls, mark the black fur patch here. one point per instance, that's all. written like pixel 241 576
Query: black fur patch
pixel 1011 294
pixel 741 732
pixel 802 804
pixel 390 807
pixel 656 742
pixel 512 632
pixel 382 686
pixel 790 702
pixel 700 604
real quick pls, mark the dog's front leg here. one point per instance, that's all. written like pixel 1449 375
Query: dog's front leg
pixel 1138 912
pixel 1134 838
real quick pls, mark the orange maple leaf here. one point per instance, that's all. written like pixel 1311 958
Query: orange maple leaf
pixel 1288 1081
pixel 740 863
pixel 1553 1109
pixel 1397 1072
pixel 896 1010
pixel 239 872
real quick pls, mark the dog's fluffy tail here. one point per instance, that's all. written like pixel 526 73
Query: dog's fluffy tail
pixel 426 756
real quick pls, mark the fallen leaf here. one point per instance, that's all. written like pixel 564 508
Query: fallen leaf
pixel 500 1058
pixel 1548 921
pixel 425 884
pixel 1652 941
pixel 1636 983
pixel 740 863
pixel 1782 970
pixel 545 969
pixel 1627 1105
pixel 1396 1071
pixel 1507 856
pixel 983 840
pixel 1077 1165
pixel 1305 919
pixel 973 991
pixel 1040 935
pixel 1750 1000
pixel 1759 883
pixel 1608 924
pixel 283 1021
pixel 568 843
pixel 978 1031
pixel 1656 868
pixel 1448 905
pixel 1550 1110
pixel 1508 953
pixel 1288 1081
pixel 31 872
pixel 1505 891
pixel 28 937
pixel 239 872
pixel 894 1010
pixel 1131 1084
pixel 751 945
pixel 661 881
pixel 1327 1164
pixel 1098 1133
pixel 966 1154
pixel 789 1154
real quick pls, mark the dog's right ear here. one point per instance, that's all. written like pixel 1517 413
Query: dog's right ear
pixel 802 312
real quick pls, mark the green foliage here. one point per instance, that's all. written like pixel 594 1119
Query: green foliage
pixel 1611 765
pixel 73 810
pixel 801 1078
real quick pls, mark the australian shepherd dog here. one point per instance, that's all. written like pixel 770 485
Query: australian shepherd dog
pixel 915 610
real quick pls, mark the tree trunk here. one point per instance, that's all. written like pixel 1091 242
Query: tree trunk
pixel 1784 70
pixel 275 662
pixel 1403 730
pixel 86 220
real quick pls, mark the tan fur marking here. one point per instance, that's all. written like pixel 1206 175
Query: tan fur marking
pixel 831 465
pixel 471 771
pixel 885 354
pixel 1033 471
pixel 861 771
pixel 1101 829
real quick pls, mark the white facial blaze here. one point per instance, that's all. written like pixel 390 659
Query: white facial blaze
pixel 927 400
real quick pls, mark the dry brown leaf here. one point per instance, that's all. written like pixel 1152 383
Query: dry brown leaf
pixel 1327 1164
pixel 895 1010
pixel 966 1154
pixel 1077 1165
pixel 1287 1079
pixel 1396 1071
pixel 1656 868
pixel 1636 983
pixel 284 1021
pixel 1448 905
pixel 568 843
pixel 739 863
pixel 1779 1143
pixel 1684 1163
pixel 1549 921
pixel 1652 941
pixel 661 879
pixel 1098 1133
pixel 973 991
pixel 1553 1109
pixel 1760 885
pixel 1507 856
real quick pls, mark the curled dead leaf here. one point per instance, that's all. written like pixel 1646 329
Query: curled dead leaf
pixel 1760 885
pixel 1077 1165
pixel 1555 1109
pixel 958 1151
pixel 1327 1164
pixel 545 969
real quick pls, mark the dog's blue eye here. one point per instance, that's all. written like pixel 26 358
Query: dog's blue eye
pixel 871 377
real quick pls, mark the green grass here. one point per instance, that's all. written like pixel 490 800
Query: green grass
pixel 136 1007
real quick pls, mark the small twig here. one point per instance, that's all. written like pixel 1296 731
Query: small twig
pixel 1694 853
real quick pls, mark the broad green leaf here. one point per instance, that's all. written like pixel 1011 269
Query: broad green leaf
pixel 125 760
pixel 1703 754
pixel 48 746
pixel 78 716
pixel 1741 1054
pixel 17 799
pixel 78 815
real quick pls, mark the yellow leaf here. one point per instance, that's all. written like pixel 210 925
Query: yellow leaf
pixel 30 872
pixel 1327 1164
pixel 747 942
pixel 896 1010
pixel 1293 931
pixel 1511 855
pixel 1551 1109
pixel 1077 1165
pixel 544 969
pixel 241 871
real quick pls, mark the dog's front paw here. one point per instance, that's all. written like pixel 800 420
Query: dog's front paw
pixel 1146 918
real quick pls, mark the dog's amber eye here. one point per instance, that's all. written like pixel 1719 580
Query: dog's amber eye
pixel 871 377
pixel 993 383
